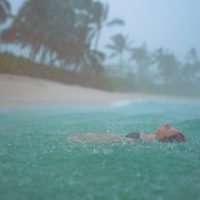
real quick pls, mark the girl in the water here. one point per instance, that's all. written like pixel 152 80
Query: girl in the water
pixel 165 133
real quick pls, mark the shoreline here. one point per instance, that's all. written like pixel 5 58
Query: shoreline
pixel 22 91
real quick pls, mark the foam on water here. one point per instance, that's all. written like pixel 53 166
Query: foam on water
pixel 128 102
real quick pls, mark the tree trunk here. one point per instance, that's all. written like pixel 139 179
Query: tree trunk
pixel 120 61
pixel 96 45
pixel 43 56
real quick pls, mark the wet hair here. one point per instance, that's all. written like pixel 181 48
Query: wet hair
pixel 177 137
pixel 134 135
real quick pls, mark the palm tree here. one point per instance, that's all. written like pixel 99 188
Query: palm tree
pixel 191 69
pixel 100 16
pixel 41 26
pixel 192 55
pixel 28 28
pixel 119 45
pixel 5 10
pixel 92 60
pixel 143 60
pixel 168 66
pixel 61 30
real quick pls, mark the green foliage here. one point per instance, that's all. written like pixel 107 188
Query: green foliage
pixel 100 16
pixel 5 9
pixel 168 65
pixel 161 72
pixel 66 33
pixel 118 46
pixel 62 30
pixel 116 21
pixel 143 59
pixel 11 64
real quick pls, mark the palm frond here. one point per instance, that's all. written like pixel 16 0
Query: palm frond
pixel 116 21
pixel 112 47
pixel 113 55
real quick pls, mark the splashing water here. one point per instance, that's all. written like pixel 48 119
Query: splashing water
pixel 37 161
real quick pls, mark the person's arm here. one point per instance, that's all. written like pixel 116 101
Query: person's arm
pixel 100 138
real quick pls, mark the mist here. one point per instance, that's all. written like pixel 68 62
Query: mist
pixel 134 45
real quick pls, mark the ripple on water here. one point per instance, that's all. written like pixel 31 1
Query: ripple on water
pixel 37 161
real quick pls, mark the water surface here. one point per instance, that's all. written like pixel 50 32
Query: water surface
pixel 37 160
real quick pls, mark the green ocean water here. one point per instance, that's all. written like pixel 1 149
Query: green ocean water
pixel 38 161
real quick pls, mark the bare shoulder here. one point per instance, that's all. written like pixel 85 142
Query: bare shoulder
pixel 100 138
pixel 147 137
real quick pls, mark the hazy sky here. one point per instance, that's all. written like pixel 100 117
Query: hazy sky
pixel 172 24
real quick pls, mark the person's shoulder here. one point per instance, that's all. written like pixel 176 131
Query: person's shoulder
pixel 147 136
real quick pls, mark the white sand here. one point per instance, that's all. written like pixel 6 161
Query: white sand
pixel 25 91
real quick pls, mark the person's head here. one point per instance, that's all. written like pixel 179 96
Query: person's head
pixel 176 137
pixel 166 126
pixel 166 133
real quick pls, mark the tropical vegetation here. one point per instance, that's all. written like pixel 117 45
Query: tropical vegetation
pixel 5 10
pixel 64 36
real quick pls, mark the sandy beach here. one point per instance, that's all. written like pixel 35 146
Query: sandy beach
pixel 26 91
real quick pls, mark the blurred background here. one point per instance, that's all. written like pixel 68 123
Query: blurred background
pixel 127 46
